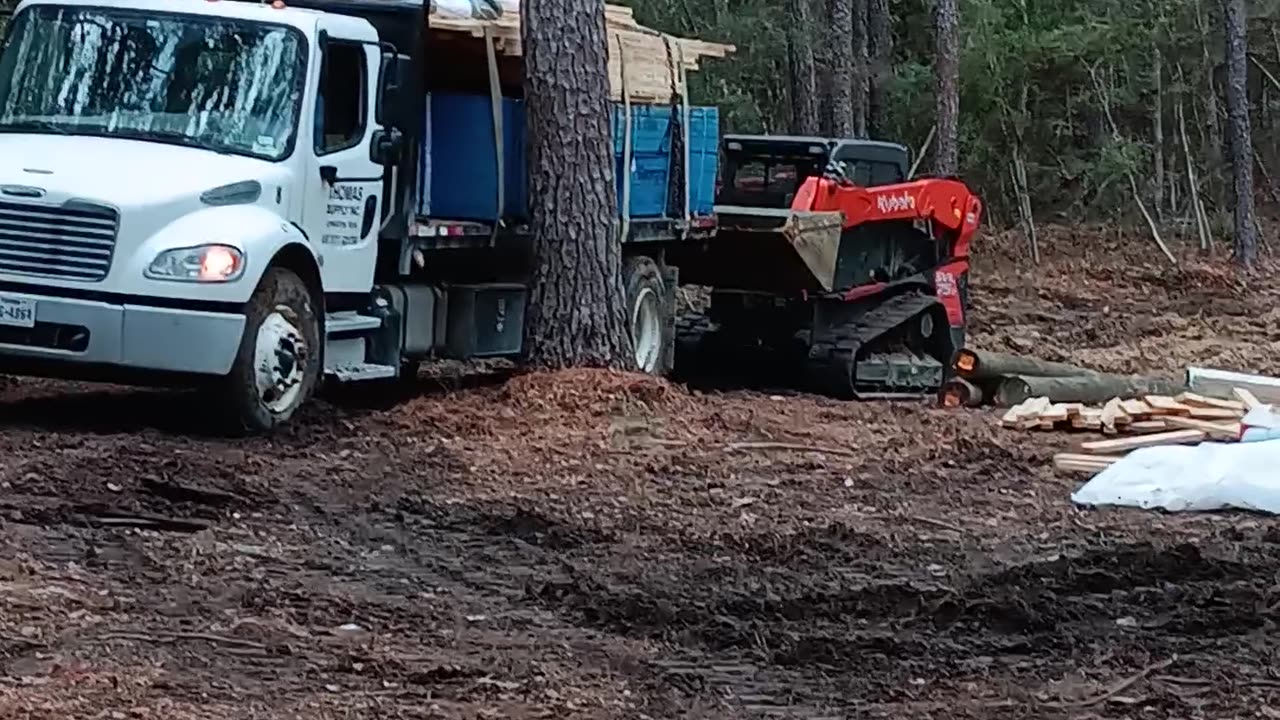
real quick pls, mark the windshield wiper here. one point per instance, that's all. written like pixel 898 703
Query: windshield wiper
pixel 35 123
pixel 187 140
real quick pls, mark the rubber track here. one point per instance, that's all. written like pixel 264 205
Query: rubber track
pixel 833 354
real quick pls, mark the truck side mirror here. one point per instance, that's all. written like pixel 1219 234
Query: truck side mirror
pixel 386 146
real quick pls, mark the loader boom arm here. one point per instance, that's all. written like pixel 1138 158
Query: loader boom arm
pixel 946 202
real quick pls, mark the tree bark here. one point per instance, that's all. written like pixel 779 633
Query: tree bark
pixel 576 313
pixel 861 80
pixel 1092 389
pixel 1246 232
pixel 984 365
pixel 946 69
pixel 880 66
pixel 1157 129
pixel 839 37
pixel 804 90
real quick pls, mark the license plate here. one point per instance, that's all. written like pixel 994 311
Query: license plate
pixel 17 312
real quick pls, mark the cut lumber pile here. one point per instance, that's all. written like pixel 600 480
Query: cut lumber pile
pixel 654 63
pixel 1219 419
pixel 1133 411
pixel 1185 419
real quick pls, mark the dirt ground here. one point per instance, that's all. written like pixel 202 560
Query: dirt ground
pixel 599 545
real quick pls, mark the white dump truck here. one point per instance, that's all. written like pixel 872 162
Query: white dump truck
pixel 243 195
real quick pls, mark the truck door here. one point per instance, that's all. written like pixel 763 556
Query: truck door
pixel 342 207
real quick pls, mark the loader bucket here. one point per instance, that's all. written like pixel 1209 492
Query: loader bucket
pixel 765 250
pixel 815 236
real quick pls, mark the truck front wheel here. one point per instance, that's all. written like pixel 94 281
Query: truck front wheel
pixel 278 365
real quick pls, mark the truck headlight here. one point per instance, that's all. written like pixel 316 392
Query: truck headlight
pixel 203 263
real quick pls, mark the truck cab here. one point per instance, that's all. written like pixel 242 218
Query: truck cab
pixel 243 196
pixel 185 189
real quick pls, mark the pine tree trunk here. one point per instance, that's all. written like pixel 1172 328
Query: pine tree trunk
pixel 861 80
pixel 880 51
pixel 576 313
pixel 1246 231
pixel 1157 130
pixel 804 90
pixel 946 70
pixel 821 9
pixel 839 35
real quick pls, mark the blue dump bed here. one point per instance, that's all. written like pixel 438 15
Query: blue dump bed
pixel 460 175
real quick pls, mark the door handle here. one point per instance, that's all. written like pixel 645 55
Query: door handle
pixel 370 213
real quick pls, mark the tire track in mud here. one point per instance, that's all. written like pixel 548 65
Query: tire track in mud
pixel 801 632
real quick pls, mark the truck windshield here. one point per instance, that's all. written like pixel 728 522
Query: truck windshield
pixel 221 84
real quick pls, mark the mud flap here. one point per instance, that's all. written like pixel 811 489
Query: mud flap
pixel 671 282
pixel 815 236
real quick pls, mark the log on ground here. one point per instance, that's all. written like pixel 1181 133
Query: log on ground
pixel 1093 389
pixel 983 365
pixel 958 392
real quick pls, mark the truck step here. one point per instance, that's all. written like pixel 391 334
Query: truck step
pixel 363 371
pixel 349 321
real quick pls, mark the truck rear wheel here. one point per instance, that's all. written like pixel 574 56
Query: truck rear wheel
pixel 278 365
pixel 646 312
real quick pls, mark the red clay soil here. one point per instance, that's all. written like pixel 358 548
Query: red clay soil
pixel 589 544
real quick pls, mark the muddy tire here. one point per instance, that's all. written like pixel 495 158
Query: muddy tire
pixel 647 313
pixel 278 365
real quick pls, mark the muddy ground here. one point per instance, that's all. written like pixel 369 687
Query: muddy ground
pixel 588 545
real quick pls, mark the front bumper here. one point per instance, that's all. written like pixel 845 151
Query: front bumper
pixel 138 337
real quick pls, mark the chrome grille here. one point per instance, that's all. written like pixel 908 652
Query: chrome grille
pixel 74 241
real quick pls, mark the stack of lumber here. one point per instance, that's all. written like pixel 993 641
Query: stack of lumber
pixel 1154 420
pixel 1150 414
pixel 651 60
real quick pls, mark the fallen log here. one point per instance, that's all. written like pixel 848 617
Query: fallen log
pixel 1092 389
pixel 983 365
pixel 1223 384
pixel 958 392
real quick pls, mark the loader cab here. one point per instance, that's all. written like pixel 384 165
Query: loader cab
pixel 762 171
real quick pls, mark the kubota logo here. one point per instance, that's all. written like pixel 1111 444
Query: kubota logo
pixel 890 202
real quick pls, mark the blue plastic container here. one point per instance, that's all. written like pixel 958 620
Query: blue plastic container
pixel 650 157
pixel 463 172
pixel 704 158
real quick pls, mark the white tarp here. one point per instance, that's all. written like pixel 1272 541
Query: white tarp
pixel 475 9
pixel 1208 476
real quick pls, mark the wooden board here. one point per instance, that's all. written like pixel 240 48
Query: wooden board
pixel 1217 431
pixel 651 59
pixel 1175 437
pixel 1195 400
pixel 1075 462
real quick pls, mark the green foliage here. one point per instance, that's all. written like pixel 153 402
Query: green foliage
pixel 1026 86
